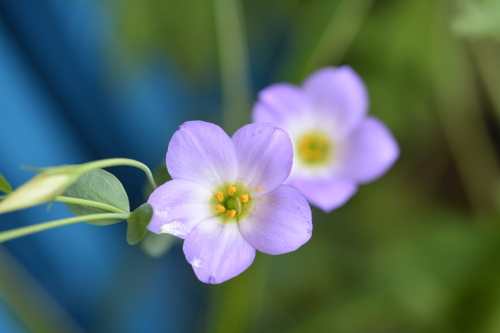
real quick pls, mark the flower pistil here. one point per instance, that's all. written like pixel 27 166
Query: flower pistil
pixel 235 206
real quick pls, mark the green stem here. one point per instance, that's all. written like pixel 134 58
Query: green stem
pixel 116 162
pixel 234 64
pixel 2 196
pixel 89 203
pixel 24 231
pixel 338 35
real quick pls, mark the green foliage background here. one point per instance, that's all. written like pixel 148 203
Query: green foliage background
pixel 417 250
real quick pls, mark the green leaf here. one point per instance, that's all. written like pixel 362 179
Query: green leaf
pixel 101 186
pixel 157 245
pixel 138 223
pixel 4 185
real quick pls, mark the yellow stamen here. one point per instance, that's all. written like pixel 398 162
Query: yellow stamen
pixel 231 213
pixel 219 196
pixel 220 208
pixel 314 148
pixel 244 197
pixel 231 190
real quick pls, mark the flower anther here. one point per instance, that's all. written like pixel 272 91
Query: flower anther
pixel 236 205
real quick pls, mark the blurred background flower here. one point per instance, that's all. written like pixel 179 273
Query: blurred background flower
pixel 416 251
pixel 336 144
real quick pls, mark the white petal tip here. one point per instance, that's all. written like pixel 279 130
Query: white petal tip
pixel 197 262
pixel 175 228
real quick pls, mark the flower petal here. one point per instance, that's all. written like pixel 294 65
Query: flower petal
pixel 178 206
pixel 339 93
pixel 202 152
pixel 279 223
pixel 278 102
pixel 326 194
pixel 265 156
pixel 369 152
pixel 217 251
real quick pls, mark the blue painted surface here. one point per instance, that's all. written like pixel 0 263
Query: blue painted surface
pixel 57 107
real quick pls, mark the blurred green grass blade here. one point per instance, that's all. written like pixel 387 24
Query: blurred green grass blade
pixel 338 35
pixel 4 185
pixel 476 19
pixel 371 307
pixel 182 29
pixel 487 56
pixel 460 115
pixel 325 43
pixel 35 307
pixel 233 64
pixel 236 304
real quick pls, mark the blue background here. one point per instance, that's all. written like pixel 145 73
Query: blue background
pixel 56 107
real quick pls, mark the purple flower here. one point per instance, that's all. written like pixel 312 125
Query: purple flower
pixel 337 146
pixel 226 198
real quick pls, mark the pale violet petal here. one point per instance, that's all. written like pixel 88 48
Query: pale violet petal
pixel 262 113
pixel 265 156
pixel 217 251
pixel 279 223
pixel 278 103
pixel 368 152
pixel 340 95
pixel 202 152
pixel 178 205
pixel 327 193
